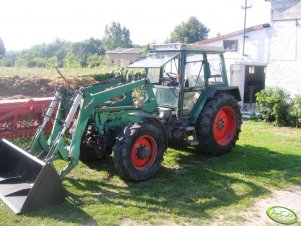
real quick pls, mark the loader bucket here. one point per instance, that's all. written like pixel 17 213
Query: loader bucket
pixel 27 183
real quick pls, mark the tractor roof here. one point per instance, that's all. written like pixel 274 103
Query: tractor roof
pixel 159 55
pixel 187 47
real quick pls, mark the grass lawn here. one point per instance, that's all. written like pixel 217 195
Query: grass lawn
pixel 51 72
pixel 189 188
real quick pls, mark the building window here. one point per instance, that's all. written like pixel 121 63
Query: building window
pixel 251 70
pixel 230 45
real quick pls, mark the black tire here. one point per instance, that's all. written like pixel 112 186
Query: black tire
pixel 219 124
pixel 136 167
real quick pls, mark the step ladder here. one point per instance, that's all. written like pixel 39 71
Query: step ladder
pixel 191 132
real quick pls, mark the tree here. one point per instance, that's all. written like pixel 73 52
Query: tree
pixel 116 36
pixel 26 58
pixel 188 32
pixel 70 61
pixel 2 48
pixel 82 50
pixel 7 61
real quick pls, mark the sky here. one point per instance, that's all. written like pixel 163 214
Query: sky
pixel 24 23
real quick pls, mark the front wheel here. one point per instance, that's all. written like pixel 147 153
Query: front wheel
pixel 218 125
pixel 138 151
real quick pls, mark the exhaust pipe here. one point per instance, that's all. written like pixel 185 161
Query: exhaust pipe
pixel 27 183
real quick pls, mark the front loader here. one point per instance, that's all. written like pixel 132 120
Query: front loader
pixel 182 94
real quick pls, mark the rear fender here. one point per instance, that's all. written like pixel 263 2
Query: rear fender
pixel 209 93
pixel 232 90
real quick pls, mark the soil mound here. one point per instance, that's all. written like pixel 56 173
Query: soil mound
pixel 20 87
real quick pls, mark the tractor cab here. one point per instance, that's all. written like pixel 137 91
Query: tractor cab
pixel 180 73
pixel 162 69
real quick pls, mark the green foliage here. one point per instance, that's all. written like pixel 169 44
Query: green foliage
pixel 2 48
pixel 122 73
pixel 87 53
pixel 54 54
pixel 30 60
pixel 100 77
pixel 276 106
pixel 116 36
pixel 58 48
pixel 39 62
pixel 8 61
pixel 128 75
pixel 70 61
pixel 95 60
pixel 188 32
pixel 82 50
pixel 51 62
pixel 296 111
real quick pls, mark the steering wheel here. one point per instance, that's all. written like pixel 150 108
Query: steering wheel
pixel 170 80
pixel 169 74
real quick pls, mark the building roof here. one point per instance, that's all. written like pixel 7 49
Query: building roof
pixel 182 46
pixel 126 50
pixel 229 35
pixel 286 10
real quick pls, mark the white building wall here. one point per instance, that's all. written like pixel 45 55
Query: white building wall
pixel 278 47
pixel 284 68
pixel 256 49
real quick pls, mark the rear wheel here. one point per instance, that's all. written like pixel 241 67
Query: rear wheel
pixel 138 151
pixel 218 125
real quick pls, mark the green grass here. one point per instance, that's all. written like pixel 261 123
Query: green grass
pixel 51 72
pixel 189 188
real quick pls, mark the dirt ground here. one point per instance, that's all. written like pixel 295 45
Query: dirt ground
pixel 290 198
pixel 20 87
pixel 254 216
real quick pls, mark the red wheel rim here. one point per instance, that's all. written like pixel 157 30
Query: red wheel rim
pixel 144 152
pixel 224 125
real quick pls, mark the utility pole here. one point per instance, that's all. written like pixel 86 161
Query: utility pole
pixel 246 7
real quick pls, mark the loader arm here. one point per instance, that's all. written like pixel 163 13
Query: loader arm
pixel 61 101
pixel 87 100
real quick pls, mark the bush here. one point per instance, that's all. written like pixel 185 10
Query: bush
pixel 7 61
pixel 296 111
pixel 276 106
pixel 70 61
pixel 95 60
pixel 122 73
pixel 39 62
pixel 51 62
pixel 101 77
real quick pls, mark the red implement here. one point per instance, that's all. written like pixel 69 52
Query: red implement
pixel 21 118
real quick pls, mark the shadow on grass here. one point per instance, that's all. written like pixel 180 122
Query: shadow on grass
pixel 65 212
pixel 188 184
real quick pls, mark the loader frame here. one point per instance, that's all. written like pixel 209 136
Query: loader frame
pixel 87 99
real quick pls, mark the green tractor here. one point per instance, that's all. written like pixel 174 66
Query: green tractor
pixel 182 95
